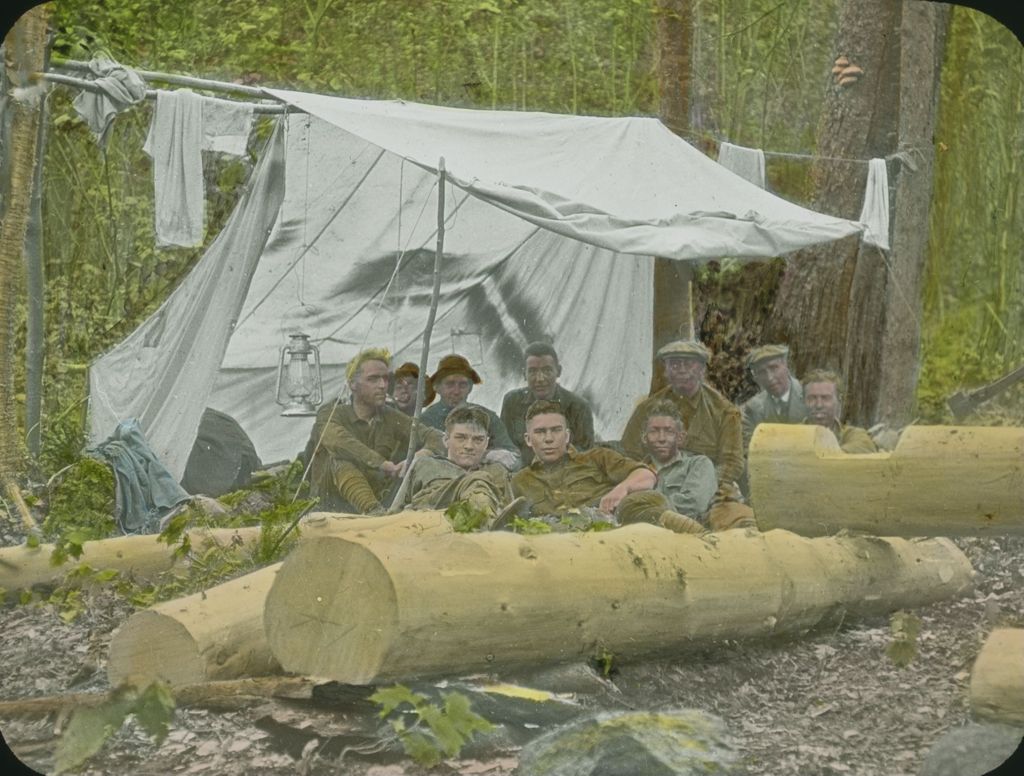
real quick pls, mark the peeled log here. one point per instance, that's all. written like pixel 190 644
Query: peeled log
pixel 939 481
pixel 145 556
pixel 219 634
pixel 370 612
pixel 997 681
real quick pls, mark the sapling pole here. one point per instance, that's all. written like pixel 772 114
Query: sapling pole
pixel 425 350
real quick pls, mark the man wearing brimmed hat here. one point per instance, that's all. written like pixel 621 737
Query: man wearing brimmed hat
pixel 359 447
pixel 712 422
pixel 781 398
pixel 542 370
pixel 403 391
pixel 453 380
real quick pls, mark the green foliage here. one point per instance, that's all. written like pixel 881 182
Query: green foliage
pixel 604 662
pixel 465 518
pixel 447 727
pixel 90 727
pixel 903 648
pixel 529 526
pixel 81 508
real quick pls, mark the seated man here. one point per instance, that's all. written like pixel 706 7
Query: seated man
pixel 561 478
pixel 542 372
pixel 437 482
pixel 781 398
pixel 403 392
pixel 687 480
pixel 821 395
pixel 454 381
pixel 359 447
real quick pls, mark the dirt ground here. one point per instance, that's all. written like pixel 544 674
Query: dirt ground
pixel 828 703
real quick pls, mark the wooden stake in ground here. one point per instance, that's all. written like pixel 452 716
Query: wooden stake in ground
pixel 939 481
pixel 997 681
pixel 366 612
pixel 218 633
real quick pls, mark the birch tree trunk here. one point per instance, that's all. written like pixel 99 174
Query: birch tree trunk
pixel 24 47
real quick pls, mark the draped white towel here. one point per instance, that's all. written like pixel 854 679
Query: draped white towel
pixel 748 163
pixel 875 213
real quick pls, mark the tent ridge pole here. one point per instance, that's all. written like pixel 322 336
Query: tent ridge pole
pixel 425 350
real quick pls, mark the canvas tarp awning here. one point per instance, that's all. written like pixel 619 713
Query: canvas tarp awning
pixel 550 225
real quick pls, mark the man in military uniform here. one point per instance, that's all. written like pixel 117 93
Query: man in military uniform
pixel 359 447
pixel 561 478
pixel 437 482
pixel 712 421
pixel 454 380
pixel 821 394
pixel 686 479
pixel 542 371
pixel 403 391
pixel 781 398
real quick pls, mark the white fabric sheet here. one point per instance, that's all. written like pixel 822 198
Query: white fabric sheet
pixel 748 163
pixel 875 212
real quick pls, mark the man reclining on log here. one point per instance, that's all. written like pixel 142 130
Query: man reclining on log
pixel 436 482
pixel 686 479
pixel 561 478
pixel 821 395
pixel 454 380
pixel 712 421
pixel 359 447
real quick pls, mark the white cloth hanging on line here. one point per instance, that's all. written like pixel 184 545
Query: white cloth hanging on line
pixel 748 163
pixel 875 213
pixel 184 125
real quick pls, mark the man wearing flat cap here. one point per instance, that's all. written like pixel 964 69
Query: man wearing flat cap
pixel 403 391
pixel 453 380
pixel 781 398
pixel 822 389
pixel 713 427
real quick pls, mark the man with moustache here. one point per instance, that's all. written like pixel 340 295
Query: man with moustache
pixel 359 447
pixel 821 394
pixel 542 369
pixel 403 391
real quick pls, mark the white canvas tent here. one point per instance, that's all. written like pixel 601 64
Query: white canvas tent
pixel 551 223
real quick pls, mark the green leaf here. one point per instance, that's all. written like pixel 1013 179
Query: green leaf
pixel 391 698
pixel 457 708
pixel 87 731
pixel 448 736
pixel 421 749
pixel 32 541
pixel 154 710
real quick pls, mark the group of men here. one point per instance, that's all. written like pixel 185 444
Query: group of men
pixel 680 463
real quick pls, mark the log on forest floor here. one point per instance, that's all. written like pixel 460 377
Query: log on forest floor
pixel 997 680
pixel 145 557
pixel 365 612
pixel 218 633
pixel 938 481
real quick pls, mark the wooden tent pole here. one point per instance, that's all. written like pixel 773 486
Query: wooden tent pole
pixel 425 350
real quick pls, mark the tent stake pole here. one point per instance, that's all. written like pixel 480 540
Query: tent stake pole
pixel 425 350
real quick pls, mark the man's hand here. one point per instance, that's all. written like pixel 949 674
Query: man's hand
pixel 613 497
pixel 393 469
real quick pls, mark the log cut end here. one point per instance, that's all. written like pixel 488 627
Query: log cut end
pixel 997 681
pixel 332 611
pixel 152 646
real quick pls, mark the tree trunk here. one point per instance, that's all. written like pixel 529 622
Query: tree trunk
pixel 923 41
pixel 832 298
pixel 218 633
pixel 938 481
pixel 24 47
pixel 361 613
pixel 997 681
pixel 673 314
pixel 147 558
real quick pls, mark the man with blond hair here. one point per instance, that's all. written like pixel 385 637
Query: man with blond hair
pixel 359 446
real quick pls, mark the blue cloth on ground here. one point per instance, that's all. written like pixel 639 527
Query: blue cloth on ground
pixel 146 491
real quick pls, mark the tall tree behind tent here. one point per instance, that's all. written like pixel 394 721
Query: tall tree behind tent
pixel 24 50
pixel 836 303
